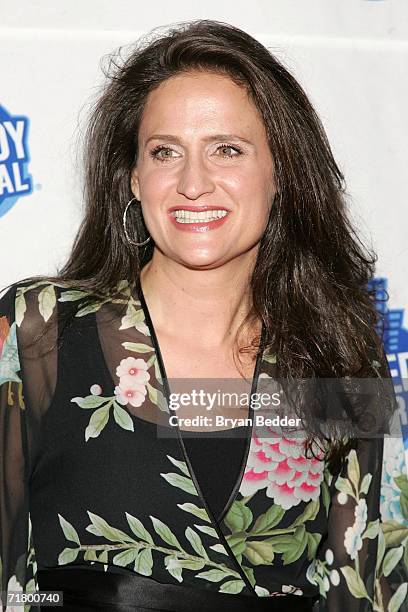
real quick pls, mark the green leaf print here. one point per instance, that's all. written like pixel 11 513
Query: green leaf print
pixel 402 483
pixel 196 542
pixel 176 572
pixel 193 509
pixel 68 555
pixel 90 401
pixel 398 598
pixel 157 397
pixel 102 528
pixel 239 517
pixel 138 528
pixel 144 562
pixel 122 417
pixel 103 557
pixel 365 485
pixel 46 302
pixel 208 530
pixel 191 564
pixel 97 422
pixel 232 586
pixel 72 295
pixel 20 307
pixel 137 347
pixel 380 550
pixel 353 470
pixel 176 558
pixel 214 575
pixel 237 544
pixel 165 533
pixel 176 480
pixel 394 533
pixel 391 559
pixel 125 557
pixel 354 582
pixel 90 555
pixel 69 531
pixel 259 552
pixel 157 371
pixel 372 530
pixel 308 514
pixel 91 307
pixel 182 482
pixel 100 417
pixel 291 546
pixel 325 496
pixel 272 517
pixel 219 548
pixel 269 358
pixel 313 541
pixel 132 317
pixel 344 486
pixel 181 465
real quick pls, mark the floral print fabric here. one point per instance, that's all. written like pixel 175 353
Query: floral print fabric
pixel 86 479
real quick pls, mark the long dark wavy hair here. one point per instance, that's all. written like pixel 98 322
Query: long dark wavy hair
pixel 310 282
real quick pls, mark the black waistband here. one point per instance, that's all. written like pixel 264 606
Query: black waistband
pixel 93 590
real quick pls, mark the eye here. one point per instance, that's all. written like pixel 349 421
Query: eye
pixel 226 146
pixel 167 153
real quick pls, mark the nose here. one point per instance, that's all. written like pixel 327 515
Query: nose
pixel 195 178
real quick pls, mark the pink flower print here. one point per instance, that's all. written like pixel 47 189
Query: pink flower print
pixel 281 467
pixel 133 376
pixel 129 391
pixel 135 368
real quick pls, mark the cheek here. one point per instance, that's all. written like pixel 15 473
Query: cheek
pixel 154 183
pixel 252 191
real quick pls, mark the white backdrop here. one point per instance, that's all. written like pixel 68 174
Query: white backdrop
pixel 349 55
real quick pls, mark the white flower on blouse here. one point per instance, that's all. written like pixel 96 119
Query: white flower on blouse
pixel 393 466
pixel 352 538
pixel 96 390
pixel 334 577
pixel 14 585
pixel 353 541
pixel 279 465
pixel 360 512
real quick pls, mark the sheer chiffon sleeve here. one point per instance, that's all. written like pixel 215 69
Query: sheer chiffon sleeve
pixel 363 563
pixel 27 382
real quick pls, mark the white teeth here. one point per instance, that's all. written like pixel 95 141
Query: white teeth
pixel 188 216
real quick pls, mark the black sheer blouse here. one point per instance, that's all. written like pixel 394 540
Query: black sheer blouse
pixel 93 482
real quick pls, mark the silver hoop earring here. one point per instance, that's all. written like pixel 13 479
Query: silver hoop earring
pixel 124 225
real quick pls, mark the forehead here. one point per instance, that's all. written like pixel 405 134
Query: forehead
pixel 200 100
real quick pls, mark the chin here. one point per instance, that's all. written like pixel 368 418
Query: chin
pixel 201 262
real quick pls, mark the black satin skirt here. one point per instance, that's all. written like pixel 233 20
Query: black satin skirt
pixel 93 590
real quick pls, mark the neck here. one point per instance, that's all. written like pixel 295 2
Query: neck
pixel 204 306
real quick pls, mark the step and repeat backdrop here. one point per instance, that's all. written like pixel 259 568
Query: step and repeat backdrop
pixel 351 56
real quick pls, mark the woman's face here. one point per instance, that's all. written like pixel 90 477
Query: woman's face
pixel 202 144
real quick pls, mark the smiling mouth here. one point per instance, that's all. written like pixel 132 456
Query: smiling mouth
pixel 188 216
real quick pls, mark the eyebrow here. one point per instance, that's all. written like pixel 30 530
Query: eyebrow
pixel 211 137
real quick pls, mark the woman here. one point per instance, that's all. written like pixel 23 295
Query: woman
pixel 215 245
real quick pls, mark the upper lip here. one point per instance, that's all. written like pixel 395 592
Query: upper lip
pixel 198 208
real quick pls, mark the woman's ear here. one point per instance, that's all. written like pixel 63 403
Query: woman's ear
pixel 134 184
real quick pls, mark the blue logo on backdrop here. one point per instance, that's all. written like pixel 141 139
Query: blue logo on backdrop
pixel 15 181
pixel 396 349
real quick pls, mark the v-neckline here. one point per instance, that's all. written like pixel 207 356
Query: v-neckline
pixel 250 415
